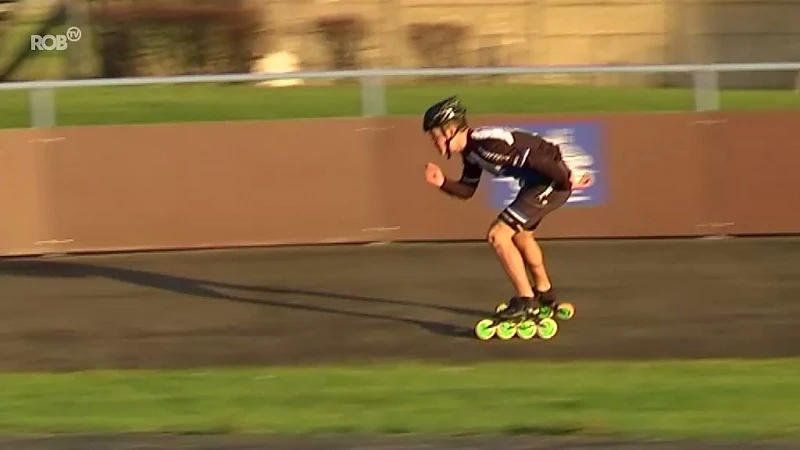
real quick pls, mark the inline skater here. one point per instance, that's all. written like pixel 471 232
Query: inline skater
pixel 546 184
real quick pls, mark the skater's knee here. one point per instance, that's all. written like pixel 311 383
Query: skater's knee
pixel 500 235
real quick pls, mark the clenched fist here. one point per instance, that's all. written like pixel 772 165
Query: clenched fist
pixel 434 175
pixel 583 182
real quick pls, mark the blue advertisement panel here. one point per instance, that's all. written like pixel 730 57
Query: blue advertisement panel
pixel 581 147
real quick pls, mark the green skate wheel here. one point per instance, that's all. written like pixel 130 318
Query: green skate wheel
pixel 545 312
pixel 548 329
pixel 526 330
pixel 565 311
pixel 500 307
pixel 506 330
pixel 485 329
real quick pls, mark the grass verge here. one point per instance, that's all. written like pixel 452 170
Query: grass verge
pixel 189 103
pixel 753 399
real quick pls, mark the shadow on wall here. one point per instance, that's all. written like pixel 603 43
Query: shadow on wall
pixel 268 296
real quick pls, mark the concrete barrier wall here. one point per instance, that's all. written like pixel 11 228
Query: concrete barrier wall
pixel 355 180
pixel 557 32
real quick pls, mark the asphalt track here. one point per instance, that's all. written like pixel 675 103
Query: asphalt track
pixel 313 305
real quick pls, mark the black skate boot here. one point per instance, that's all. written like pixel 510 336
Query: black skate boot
pixel 548 306
pixel 518 307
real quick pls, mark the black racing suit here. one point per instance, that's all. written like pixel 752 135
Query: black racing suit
pixel 509 152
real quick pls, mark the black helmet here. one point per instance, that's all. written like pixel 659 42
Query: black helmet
pixel 447 110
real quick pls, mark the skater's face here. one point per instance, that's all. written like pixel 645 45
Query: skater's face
pixel 448 139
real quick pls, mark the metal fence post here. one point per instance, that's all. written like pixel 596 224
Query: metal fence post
pixel 373 96
pixel 706 90
pixel 42 107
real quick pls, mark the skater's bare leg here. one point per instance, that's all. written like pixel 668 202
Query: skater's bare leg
pixel 501 237
pixel 532 254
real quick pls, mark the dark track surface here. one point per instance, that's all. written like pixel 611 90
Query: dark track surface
pixel 635 299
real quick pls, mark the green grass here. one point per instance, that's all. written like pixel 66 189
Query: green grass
pixel 186 103
pixel 734 399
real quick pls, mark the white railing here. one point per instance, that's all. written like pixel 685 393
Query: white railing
pixel 706 77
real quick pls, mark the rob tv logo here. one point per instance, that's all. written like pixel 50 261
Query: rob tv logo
pixel 60 42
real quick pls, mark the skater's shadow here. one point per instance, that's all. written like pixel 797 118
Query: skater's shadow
pixel 261 295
